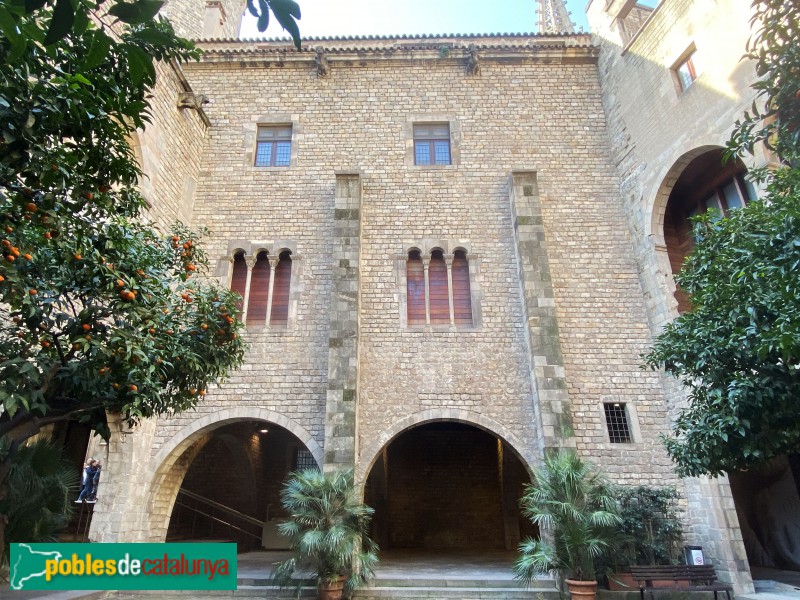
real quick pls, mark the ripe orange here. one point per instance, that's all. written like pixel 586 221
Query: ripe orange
pixel 28 257
pixel 31 207
pixel 47 235
pixel 151 331
pixel 9 229
pixel 203 326
pixel 10 258
pixel 45 344
pixel 88 195
pixel 86 327
pixel 120 283
pixel 33 292
pixel 202 392
pixel 133 388
pixel 2 279
pixel 77 256
pixel 191 267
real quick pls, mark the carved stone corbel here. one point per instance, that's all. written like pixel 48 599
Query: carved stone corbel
pixel 321 60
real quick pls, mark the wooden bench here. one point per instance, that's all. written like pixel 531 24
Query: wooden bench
pixel 694 578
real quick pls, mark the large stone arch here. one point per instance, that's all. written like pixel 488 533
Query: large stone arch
pixel 526 453
pixel 666 180
pixel 168 468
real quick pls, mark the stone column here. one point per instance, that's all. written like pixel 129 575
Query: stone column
pixel 342 393
pixel 426 263
pixel 250 261
pixel 548 377
pixel 273 262
pixel 448 260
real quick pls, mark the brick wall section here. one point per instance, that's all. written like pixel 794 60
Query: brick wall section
pixel 353 120
pixel 169 151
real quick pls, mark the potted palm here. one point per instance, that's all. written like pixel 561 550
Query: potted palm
pixel 327 528
pixel 575 508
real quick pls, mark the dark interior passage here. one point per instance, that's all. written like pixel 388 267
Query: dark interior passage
pixel 447 486
pixel 233 485
pixel 767 503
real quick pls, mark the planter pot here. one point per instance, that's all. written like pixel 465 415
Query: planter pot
pixel 331 590
pixel 622 582
pixel 581 590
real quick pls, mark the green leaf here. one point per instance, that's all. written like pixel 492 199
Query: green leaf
pixel 136 12
pixel 140 65
pixel 289 7
pixel 98 51
pixel 288 23
pixel 32 5
pixel 61 23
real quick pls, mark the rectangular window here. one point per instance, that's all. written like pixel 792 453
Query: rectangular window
pixel 432 144
pixel 686 72
pixel 274 146
pixel 619 432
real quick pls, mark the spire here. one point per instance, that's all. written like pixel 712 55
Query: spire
pixel 554 18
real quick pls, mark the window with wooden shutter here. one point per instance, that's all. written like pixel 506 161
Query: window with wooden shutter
pixel 280 291
pixel 415 289
pixel 438 288
pixel 462 298
pixel 239 277
pixel 259 290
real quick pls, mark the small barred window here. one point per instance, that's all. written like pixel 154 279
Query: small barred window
pixel 619 431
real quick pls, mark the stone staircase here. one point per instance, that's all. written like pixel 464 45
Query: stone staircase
pixel 407 588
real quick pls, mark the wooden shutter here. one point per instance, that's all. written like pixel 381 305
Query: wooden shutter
pixel 239 277
pixel 437 285
pixel 280 292
pixel 462 298
pixel 415 289
pixel 259 288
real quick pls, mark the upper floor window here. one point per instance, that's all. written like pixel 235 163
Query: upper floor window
pixel 273 146
pixel 438 289
pixel 264 283
pixel 686 70
pixel 432 144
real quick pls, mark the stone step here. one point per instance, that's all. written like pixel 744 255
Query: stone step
pixel 456 593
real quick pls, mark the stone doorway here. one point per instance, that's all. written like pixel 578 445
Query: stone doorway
pixel 231 490
pixel 447 486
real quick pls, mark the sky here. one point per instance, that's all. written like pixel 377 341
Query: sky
pixel 327 18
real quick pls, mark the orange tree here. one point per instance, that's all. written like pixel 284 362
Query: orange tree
pixel 99 312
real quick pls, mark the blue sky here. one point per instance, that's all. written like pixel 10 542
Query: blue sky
pixel 389 17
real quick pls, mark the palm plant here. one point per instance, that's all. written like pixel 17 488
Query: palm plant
pixel 34 494
pixel 575 508
pixel 328 527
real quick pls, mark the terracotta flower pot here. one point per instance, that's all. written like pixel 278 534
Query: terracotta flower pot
pixel 582 590
pixel 331 590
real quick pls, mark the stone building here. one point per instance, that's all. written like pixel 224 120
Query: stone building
pixel 453 251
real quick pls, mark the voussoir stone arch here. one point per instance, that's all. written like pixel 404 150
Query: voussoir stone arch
pixel 666 181
pixel 525 452
pixel 167 469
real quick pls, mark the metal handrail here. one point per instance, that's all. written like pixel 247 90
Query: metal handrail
pixel 218 520
pixel 222 507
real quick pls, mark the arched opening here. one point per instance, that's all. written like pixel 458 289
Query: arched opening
pixel 704 183
pixel 767 501
pixel 231 489
pixel 447 487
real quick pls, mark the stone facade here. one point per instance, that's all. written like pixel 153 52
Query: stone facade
pixel 561 146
